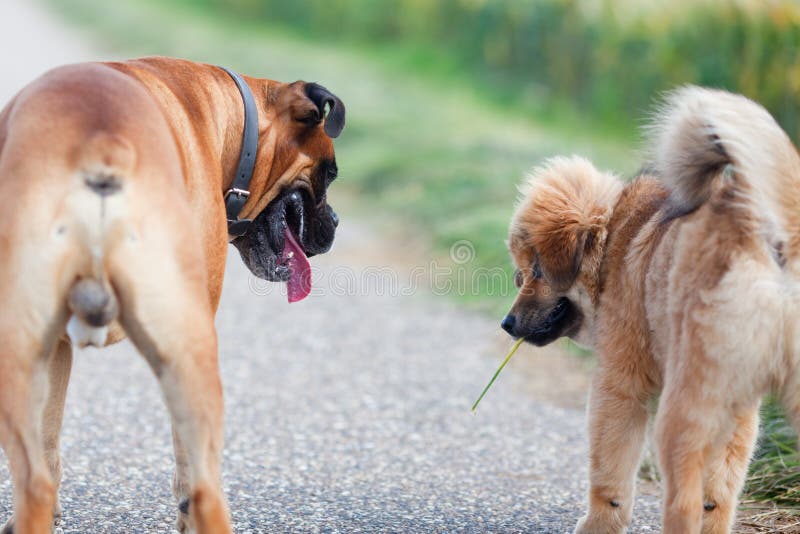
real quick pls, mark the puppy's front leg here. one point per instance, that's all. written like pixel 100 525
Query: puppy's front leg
pixel 617 421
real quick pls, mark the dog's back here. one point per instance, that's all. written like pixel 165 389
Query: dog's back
pixel 734 178
pixel 69 195
pixel 715 148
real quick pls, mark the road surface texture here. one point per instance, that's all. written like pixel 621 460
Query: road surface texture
pixel 348 412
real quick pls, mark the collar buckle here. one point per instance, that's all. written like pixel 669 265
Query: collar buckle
pixel 241 193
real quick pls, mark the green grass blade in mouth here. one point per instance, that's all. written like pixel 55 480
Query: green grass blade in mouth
pixel 510 354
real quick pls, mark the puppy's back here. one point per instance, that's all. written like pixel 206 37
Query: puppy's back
pixel 710 146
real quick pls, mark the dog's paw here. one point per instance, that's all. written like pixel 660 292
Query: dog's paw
pixel 590 525
pixel 182 522
pixel 8 528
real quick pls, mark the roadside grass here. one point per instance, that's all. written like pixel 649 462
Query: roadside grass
pixel 775 470
pixel 771 500
pixel 432 159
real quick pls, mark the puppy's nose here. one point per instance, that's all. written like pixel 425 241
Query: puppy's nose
pixel 335 218
pixel 508 323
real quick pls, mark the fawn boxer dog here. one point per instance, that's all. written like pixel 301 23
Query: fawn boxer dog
pixel 121 185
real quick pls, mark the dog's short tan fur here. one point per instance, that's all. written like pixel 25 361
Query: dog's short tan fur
pixel 170 132
pixel 686 283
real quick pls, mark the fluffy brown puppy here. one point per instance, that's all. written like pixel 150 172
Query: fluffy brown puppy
pixel 685 281
pixel 112 185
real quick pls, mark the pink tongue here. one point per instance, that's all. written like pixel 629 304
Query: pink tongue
pixel 299 284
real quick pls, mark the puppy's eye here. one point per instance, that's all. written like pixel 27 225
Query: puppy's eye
pixel 536 270
pixel 518 278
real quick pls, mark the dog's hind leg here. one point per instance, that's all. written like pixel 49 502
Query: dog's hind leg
pixel 180 481
pixel 617 422
pixel 165 310
pixel 58 370
pixel 726 474
pixel 686 431
pixel 23 366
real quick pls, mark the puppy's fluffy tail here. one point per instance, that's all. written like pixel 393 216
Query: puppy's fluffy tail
pixel 706 141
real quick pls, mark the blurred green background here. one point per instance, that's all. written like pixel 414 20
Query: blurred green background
pixel 450 102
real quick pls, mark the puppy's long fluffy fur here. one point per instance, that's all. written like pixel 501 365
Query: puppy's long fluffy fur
pixel 698 132
pixel 686 282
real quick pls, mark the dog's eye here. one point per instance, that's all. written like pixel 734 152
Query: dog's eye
pixel 518 278
pixel 536 270
pixel 330 174
pixel 331 177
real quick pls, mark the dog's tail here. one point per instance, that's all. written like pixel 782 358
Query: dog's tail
pixel 714 146
pixel 97 204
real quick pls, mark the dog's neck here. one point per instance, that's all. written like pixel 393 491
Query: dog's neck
pixel 213 107
pixel 268 168
pixel 233 127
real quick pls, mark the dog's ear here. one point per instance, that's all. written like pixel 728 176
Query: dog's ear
pixel 307 103
pixel 322 98
pixel 561 254
pixel 565 209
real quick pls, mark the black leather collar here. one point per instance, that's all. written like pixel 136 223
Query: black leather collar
pixel 236 196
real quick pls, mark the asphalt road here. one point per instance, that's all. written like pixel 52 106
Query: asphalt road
pixel 348 412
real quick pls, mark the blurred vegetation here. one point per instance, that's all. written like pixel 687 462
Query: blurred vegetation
pixel 604 58
pixel 428 158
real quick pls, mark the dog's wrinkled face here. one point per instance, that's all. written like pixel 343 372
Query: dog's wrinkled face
pixel 556 242
pixel 296 164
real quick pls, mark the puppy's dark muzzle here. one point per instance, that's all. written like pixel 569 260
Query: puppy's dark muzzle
pixel 508 323
pixel 537 330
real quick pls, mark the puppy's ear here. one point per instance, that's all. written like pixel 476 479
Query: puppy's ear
pixel 561 255
pixel 565 209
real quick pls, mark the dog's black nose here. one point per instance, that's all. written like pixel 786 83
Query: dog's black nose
pixel 508 323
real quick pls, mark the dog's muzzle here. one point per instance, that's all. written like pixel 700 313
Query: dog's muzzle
pixel 264 247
